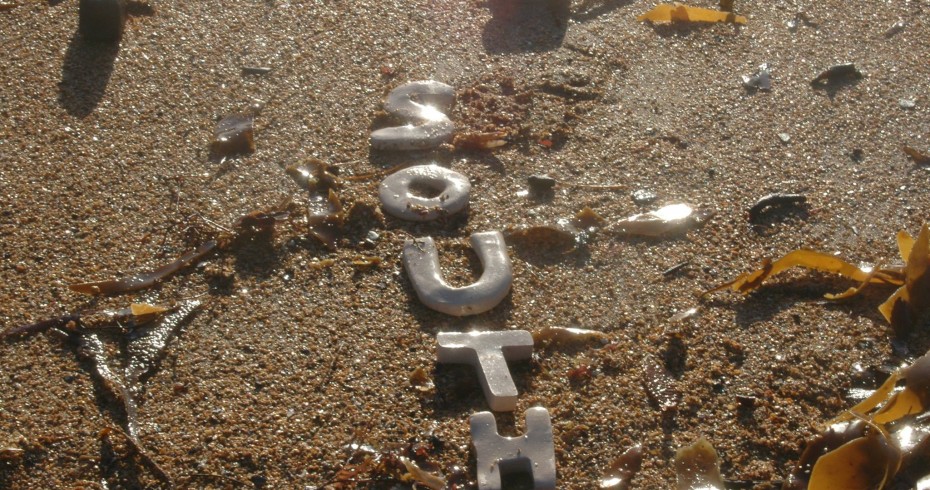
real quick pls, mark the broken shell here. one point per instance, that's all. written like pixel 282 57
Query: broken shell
pixel 762 80
pixel 668 220
pixel 697 467
pixel 424 193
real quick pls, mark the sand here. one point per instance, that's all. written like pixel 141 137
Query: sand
pixel 105 170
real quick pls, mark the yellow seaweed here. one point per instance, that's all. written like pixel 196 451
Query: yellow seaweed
pixel 683 13
pixel 864 463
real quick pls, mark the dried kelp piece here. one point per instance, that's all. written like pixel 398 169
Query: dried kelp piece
pixel 146 279
pixel 836 74
pixel 774 200
pixel 910 303
pixel 146 345
pixel 11 453
pixel 916 155
pixel 40 326
pixel 234 135
pixel 314 175
pixel 479 141
pixel 660 386
pixel 567 335
pixel 861 464
pixel 587 219
pixel 622 471
pixel 420 476
pixel 325 217
pixel 809 259
pixel 666 221
pixel 677 12
pixel 835 436
pixel 697 467
pixel 136 314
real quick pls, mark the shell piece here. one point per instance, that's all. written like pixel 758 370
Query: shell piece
pixel 668 220
pixel 697 467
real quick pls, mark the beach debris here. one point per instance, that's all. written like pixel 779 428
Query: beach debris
pixel 368 467
pixel 554 336
pixel 698 468
pixel 479 140
pixel 11 453
pixel 907 104
pixel 565 236
pixel 903 310
pixel 621 472
pixel 684 315
pixel 426 104
pixel 916 155
pixel 799 19
pixel 421 260
pixel 488 352
pixel 137 314
pixel 146 344
pixel 102 20
pixel 726 5
pixel 325 217
pixel 669 220
pixel 256 70
pixel 234 135
pixel 677 12
pixel 420 476
pixel 784 137
pixel 774 200
pixel 761 80
pixel 144 280
pixel 660 385
pixel 533 452
pixel 908 306
pixel 540 185
pixel 875 442
pixel 424 193
pixel 314 175
pixel 836 74
pixel 675 268
pixel 895 29
pixel 4 6
pixel 644 196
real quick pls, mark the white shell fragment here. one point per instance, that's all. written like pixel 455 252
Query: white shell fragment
pixel 533 452
pixel 421 260
pixel 489 353
pixel 425 104
pixel 762 80
pixel 669 220
pixel 446 192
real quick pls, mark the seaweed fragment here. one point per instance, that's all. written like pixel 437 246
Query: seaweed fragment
pixel 325 217
pixel 234 135
pixel 144 280
pixel 677 12
pixel 916 155
pixel 554 336
pixel 622 471
pixel 908 306
pixel 479 140
pixel 697 467
pixel 660 386
pixel 314 175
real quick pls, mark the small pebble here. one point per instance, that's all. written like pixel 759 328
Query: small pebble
pixel 784 137
pixel 644 196
pixel 907 103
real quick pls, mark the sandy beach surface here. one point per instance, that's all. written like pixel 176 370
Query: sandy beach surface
pixel 297 353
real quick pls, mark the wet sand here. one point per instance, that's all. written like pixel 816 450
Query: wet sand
pixel 105 168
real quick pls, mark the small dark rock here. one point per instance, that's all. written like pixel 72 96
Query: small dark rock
pixel 746 402
pixel 102 20
pixel 540 184
pixel 837 73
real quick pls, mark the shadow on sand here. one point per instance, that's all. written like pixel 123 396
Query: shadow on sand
pixel 85 74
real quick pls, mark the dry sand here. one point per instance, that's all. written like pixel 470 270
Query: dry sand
pixel 104 169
